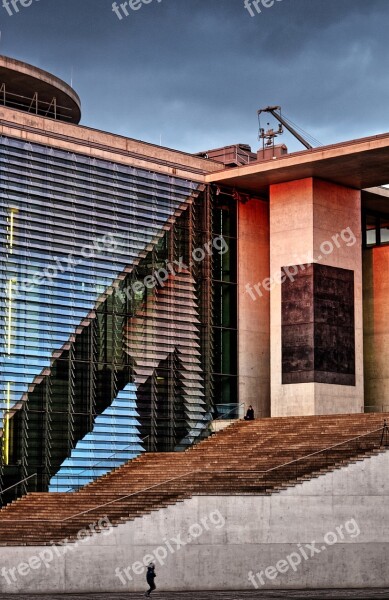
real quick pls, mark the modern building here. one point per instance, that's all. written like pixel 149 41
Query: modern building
pixel 145 290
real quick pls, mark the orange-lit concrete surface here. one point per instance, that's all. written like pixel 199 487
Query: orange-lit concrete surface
pixel 376 327
pixel 103 145
pixel 303 215
pixel 357 164
pixel 254 306
pixel 301 224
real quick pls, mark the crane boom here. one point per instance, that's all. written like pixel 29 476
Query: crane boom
pixel 272 110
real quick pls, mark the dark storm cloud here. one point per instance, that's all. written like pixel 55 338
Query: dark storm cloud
pixel 194 72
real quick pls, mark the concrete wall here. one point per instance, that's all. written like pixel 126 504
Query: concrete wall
pixel 258 532
pixel 254 306
pixel 303 215
pixel 376 327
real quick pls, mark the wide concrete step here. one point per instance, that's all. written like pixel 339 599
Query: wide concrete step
pixel 258 457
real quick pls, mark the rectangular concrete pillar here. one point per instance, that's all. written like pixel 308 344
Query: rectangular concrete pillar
pixel 316 299
pixel 254 306
pixel 376 327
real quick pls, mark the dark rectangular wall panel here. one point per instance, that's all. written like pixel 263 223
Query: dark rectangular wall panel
pixel 318 325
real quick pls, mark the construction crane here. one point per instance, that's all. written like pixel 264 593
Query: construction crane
pixel 270 135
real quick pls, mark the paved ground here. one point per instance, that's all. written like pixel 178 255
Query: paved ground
pixel 260 595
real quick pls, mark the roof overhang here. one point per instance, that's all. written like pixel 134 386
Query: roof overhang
pixel 26 84
pixel 358 164
pixel 376 199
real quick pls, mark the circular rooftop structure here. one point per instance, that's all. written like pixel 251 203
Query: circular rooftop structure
pixel 27 88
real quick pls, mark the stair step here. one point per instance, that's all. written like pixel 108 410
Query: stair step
pixel 234 461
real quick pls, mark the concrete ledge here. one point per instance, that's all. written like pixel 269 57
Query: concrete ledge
pixel 219 425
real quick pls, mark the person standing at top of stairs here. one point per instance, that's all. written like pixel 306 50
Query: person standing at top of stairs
pixel 249 414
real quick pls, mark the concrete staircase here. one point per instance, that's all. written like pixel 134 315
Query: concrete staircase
pixel 257 457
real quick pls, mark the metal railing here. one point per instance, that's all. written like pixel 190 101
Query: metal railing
pixel 26 103
pixel 236 409
pixel 18 483
pixel 197 435
pixel 383 430
pixel 77 475
pixel 255 474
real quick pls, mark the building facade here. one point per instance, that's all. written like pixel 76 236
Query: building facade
pixel 145 291
pixel 117 309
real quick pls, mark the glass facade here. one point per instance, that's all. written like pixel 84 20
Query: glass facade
pixel 376 229
pixel 117 332
pixel 225 325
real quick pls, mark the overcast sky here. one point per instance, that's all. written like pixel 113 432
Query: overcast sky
pixel 194 72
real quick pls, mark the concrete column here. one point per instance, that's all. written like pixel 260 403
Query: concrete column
pixel 376 327
pixel 254 306
pixel 320 222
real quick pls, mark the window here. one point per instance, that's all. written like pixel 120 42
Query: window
pixel 375 229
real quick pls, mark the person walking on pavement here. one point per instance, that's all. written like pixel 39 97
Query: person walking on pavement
pixel 150 576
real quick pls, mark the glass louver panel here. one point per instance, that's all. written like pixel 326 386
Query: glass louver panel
pixel 74 232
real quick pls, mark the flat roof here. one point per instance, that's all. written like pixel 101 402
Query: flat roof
pixel 358 164
pixel 103 145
